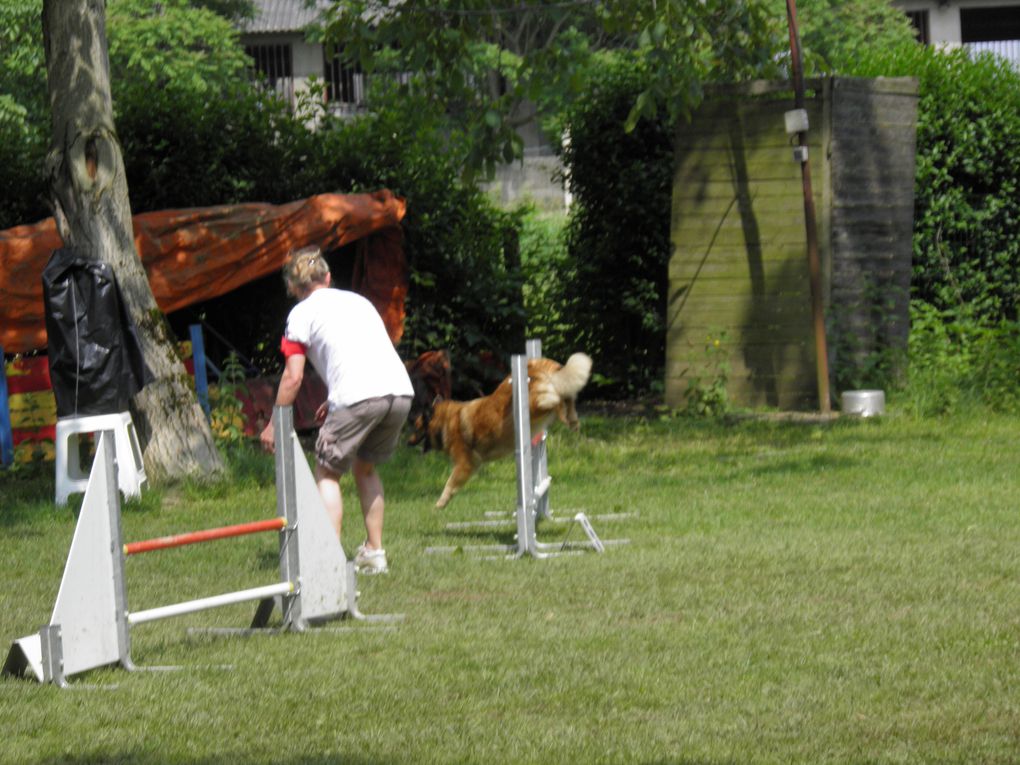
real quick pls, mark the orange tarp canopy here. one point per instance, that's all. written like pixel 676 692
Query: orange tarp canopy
pixel 193 255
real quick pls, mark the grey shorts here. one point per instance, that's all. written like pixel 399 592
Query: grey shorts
pixel 369 430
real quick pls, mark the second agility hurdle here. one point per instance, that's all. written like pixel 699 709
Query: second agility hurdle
pixel 90 624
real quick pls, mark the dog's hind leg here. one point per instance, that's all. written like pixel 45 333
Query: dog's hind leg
pixel 567 413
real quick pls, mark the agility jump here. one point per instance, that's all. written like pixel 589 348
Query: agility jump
pixel 90 624
pixel 533 483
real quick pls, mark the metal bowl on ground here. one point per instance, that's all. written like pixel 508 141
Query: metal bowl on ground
pixel 863 403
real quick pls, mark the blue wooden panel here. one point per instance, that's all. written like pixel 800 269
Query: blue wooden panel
pixel 6 435
pixel 198 357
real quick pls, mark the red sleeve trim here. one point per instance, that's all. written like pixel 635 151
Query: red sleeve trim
pixel 290 348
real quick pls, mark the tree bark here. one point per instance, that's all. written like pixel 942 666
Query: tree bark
pixel 93 214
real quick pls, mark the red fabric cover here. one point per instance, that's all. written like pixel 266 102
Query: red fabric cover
pixel 192 255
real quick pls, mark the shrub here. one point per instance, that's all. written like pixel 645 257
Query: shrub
pixel 24 194
pixel 194 133
pixel 959 362
pixel 547 270
pixel 24 114
pixel 618 239
pixel 465 283
pixel 967 192
pixel 463 252
pixel 182 150
pixel 226 407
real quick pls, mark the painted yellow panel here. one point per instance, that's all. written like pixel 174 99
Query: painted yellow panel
pixel 33 410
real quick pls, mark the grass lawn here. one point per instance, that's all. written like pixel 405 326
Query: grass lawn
pixel 843 592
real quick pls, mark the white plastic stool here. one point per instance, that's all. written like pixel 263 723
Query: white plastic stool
pixel 71 478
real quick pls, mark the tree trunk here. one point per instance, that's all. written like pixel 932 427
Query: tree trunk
pixel 93 214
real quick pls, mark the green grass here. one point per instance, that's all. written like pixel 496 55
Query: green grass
pixel 793 593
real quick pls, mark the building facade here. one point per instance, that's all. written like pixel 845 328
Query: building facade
pixel 979 25
pixel 286 59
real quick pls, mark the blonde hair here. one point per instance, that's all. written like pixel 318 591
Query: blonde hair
pixel 304 268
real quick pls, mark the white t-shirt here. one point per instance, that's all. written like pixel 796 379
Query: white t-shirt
pixel 346 341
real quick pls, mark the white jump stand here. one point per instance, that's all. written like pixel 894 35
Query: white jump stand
pixel 72 479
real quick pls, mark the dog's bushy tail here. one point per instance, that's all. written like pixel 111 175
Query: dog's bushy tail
pixel 572 376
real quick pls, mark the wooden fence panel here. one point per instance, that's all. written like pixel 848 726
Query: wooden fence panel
pixel 739 300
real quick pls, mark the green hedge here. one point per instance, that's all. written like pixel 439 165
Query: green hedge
pixel 242 146
pixel 967 209
pixel 463 254
pixel 464 294
pixel 959 363
pixel 967 192
pixel 964 349
pixel 618 238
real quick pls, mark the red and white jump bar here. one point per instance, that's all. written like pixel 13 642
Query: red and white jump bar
pixel 193 537
pixel 203 604
pixel 208 535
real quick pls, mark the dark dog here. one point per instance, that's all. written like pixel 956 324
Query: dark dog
pixel 430 377
pixel 482 430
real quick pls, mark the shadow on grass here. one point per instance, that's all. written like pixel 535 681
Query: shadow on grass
pixel 779 429
pixel 232 758
pixel 27 482
pixel 791 468
pixel 228 758
pixel 470 537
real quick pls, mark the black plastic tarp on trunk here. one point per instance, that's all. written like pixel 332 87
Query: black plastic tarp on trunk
pixel 96 362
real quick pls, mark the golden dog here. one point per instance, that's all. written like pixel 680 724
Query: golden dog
pixel 482 430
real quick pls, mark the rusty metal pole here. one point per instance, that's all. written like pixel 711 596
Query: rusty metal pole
pixel 810 224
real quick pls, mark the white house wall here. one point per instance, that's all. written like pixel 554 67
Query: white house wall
pixel 306 57
pixel 944 18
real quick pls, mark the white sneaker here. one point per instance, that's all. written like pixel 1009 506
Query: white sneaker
pixel 370 561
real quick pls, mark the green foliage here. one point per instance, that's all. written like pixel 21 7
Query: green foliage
pixel 465 290
pixel 836 34
pixel 620 161
pixel 192 131
pixel 706 393
pixel 540 55
pixel 964 348
pixel 24 114
pixel 680 45
pixel 547 271
pixel 182 150
pixel 161 44
pixel 967 194
pixel 24 190
pixel 618 237
pixel 479 62
pixel 226 410
pixel 959 362
pixel 967 205
pixel 22 67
